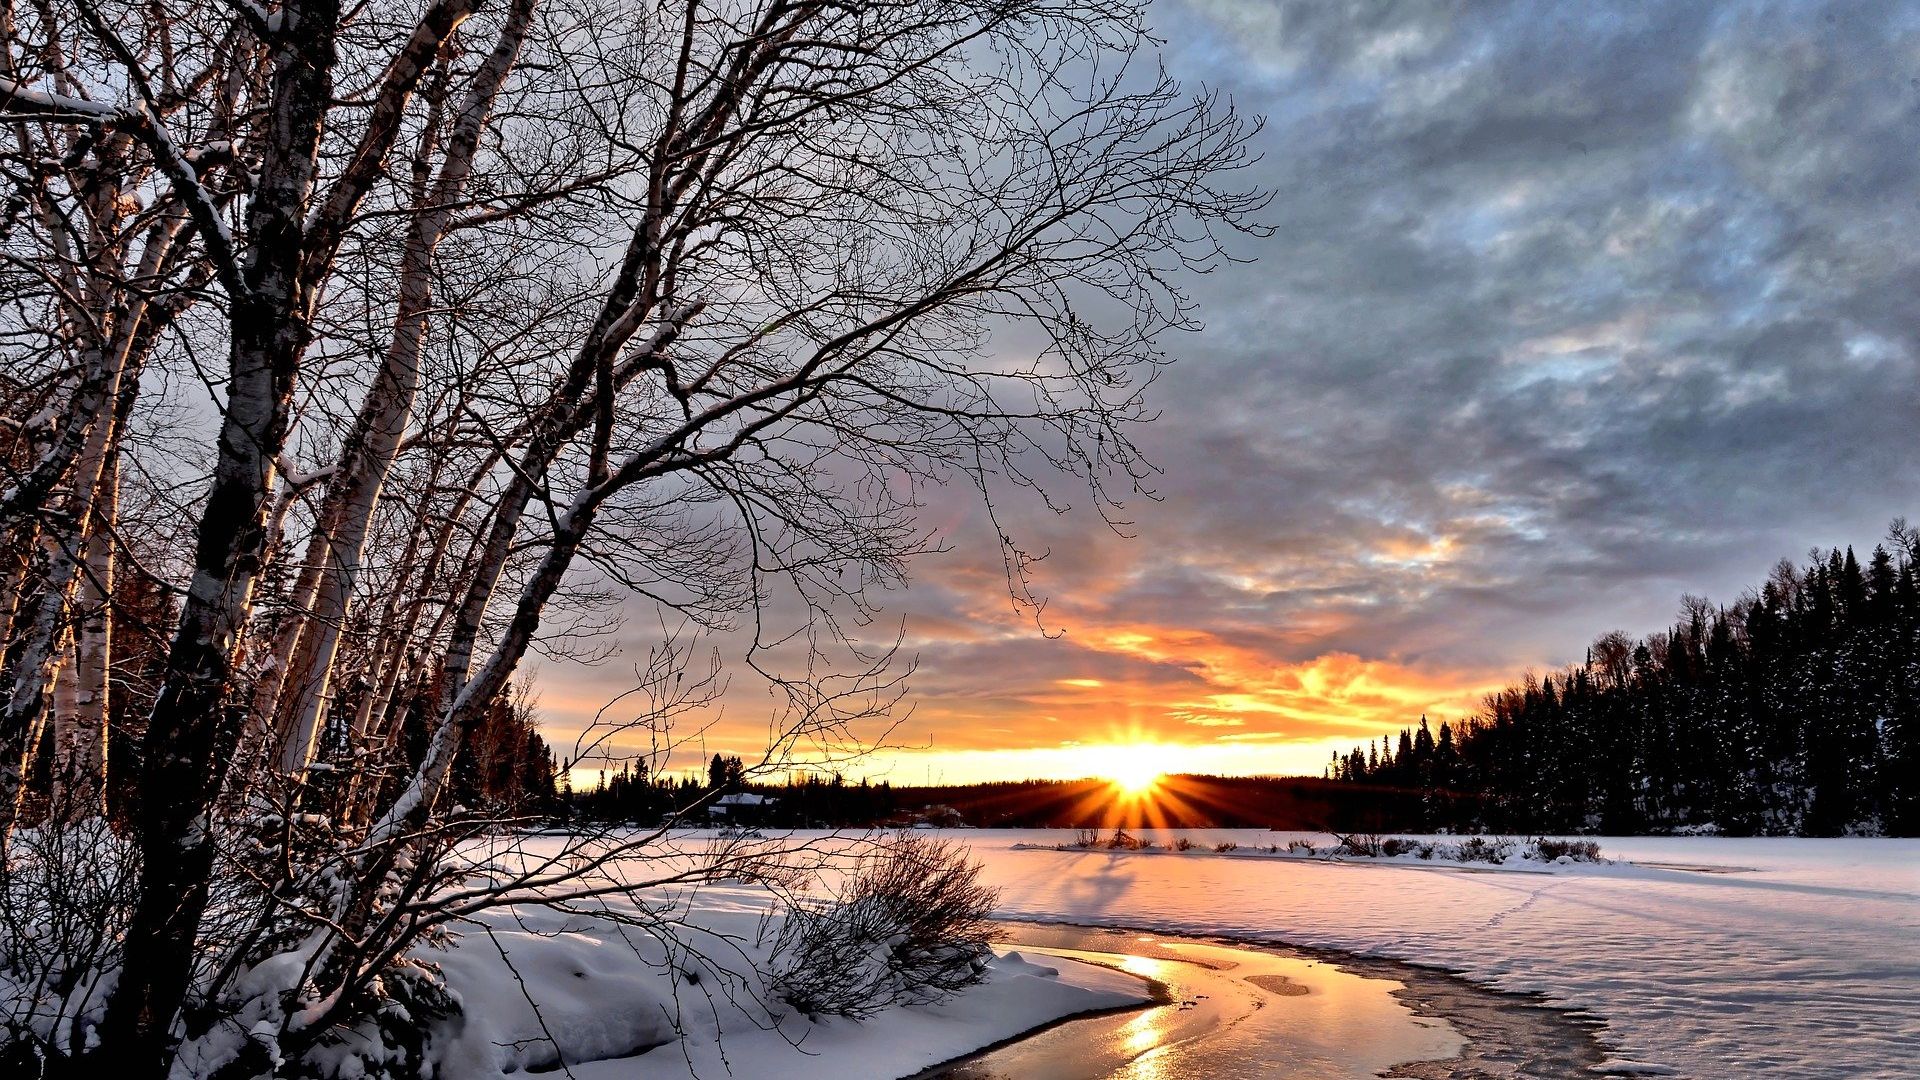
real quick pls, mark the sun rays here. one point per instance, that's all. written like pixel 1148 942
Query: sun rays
pixel 1134 770
pixel 1138 785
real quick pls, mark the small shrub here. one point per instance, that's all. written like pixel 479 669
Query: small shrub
pixel 909 928
pixel 1394 846
pixel 67 891
pixel 1547 849
pixel 1086 838
pixel 1182 844
pixel 1482 849
pixel 1424 850
pixel 1301 847
pixel 1362 844
pixel 1226 846
pixel 1122 840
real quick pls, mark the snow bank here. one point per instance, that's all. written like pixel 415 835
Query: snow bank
pixel 1706 957
pixel 608 998
pixel 1405 850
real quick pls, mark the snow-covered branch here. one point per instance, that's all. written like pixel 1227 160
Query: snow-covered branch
pixel 26 103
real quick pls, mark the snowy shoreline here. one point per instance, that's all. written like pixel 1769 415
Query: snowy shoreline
pixel 1157 992
pixel 1478 853
pixel 1020 997
pixel 1690 956
pixel 676 983
pixel 1479 1030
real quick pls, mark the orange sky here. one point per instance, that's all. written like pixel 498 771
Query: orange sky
pixel 1203 688
pixel 1243 713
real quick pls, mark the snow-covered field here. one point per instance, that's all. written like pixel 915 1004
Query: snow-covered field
pixel 1707 957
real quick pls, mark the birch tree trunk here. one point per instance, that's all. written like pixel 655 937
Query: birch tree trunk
pixel 55 617
pixel 193 725
pixel 388 407
pixel 70 604
pixel 14 561
pixel 80 709
pixel 196 718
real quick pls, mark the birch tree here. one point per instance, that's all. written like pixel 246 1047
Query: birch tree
pixel 525 311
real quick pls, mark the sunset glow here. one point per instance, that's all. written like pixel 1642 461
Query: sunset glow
pixel 1327 556
pixel 1134 770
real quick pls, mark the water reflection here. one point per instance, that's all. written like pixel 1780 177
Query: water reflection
pixel 1144 1032
pixel 1219 1024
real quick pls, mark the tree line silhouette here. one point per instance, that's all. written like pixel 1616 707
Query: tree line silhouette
pixel 635 793
pixel 1793 711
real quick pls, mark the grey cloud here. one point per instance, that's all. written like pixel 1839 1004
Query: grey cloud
pixel 1604 301
pixel 1616 296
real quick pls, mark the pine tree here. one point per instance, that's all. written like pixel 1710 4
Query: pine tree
pixel 1796 709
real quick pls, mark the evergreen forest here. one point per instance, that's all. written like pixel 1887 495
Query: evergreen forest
pixel 1794 711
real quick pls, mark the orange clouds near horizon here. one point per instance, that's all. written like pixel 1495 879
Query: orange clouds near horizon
pixel 1223 665
pixel 1285 719
pixel 1239 717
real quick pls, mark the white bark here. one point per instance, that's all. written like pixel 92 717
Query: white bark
pixel 69 552
pixel 388 407
pixel 80 706
pixel 78 548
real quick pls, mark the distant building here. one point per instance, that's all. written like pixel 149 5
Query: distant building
pixel 741 808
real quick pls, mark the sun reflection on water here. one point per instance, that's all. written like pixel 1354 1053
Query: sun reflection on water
pixel 1146 1036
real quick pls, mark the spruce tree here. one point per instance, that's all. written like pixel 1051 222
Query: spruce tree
pixel 1795 709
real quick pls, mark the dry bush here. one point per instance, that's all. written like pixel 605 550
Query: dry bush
pixel 65 894
pixel 1369 845
pixel 910 928
pixel 1547 849
pixel 1483 849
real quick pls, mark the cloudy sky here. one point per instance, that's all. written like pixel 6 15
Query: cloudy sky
pixel 1570 308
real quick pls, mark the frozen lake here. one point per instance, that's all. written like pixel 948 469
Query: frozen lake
pixel 1705 957
pixel 1698 957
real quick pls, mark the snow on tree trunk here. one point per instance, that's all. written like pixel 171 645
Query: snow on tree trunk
pixel 197 717
pixel 194 723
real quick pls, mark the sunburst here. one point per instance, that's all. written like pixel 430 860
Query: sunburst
pixel 1133 770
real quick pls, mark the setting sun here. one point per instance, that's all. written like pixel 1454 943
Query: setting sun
pixel 1135 770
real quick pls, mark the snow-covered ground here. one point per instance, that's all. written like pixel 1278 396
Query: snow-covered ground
pixel 1707 957
pixel 596 992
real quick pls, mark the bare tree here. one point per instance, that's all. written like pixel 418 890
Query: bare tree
pixel 526 313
